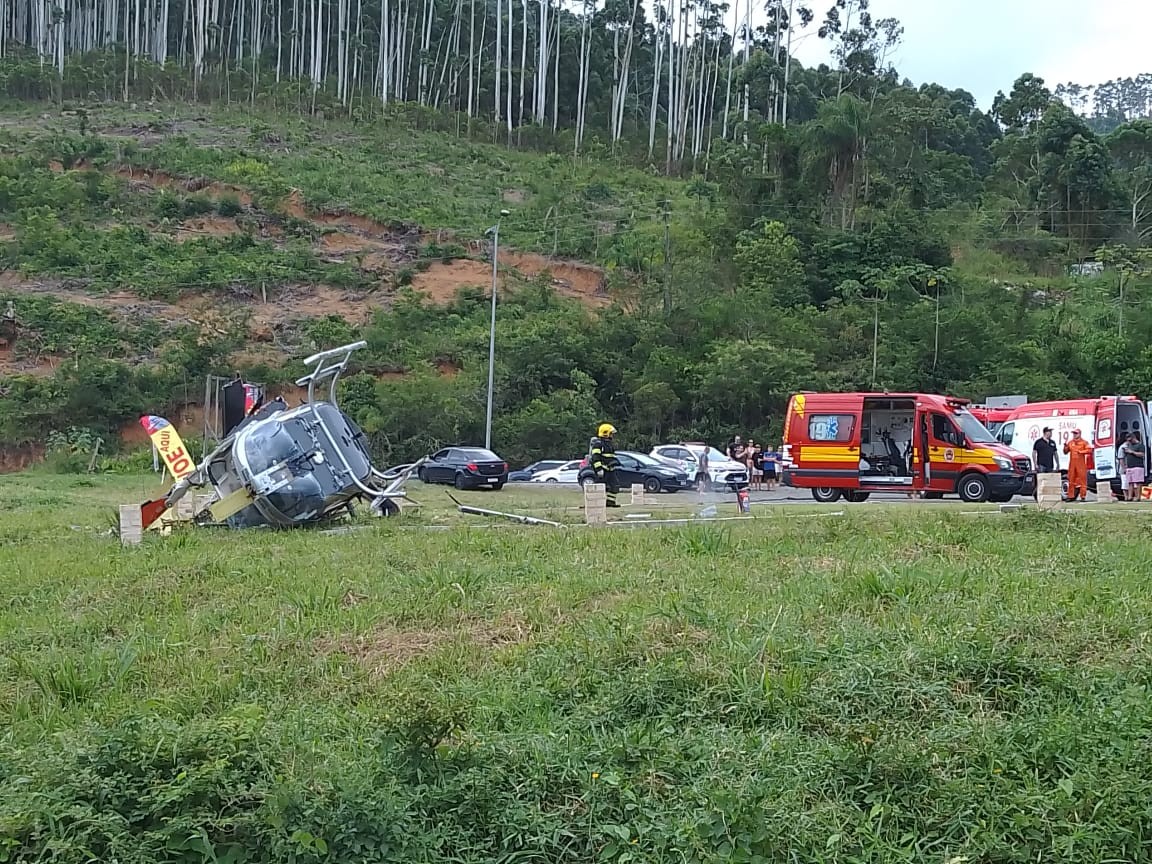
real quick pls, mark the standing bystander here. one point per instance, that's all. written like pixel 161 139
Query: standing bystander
pixel 1044 452
pixel 1133 454
pixel 1078 451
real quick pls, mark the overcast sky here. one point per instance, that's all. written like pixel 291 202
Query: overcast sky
pixel 983 45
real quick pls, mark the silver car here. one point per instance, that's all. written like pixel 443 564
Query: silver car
pixel 722 472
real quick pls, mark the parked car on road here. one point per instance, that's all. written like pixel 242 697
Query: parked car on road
pixel 722 471
pixel 652 474
pixel 567 472
pixel 465 468
pixel 523 475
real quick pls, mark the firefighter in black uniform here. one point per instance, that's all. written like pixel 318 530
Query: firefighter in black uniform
pixel 602 458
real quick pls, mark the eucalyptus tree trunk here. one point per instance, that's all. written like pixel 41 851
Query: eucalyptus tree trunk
pixel 582 87
pixel 774 114
pixel 787 66
pixel 384 54
pixel 358 51
pixel 317 70
pixel 523 58
pixel 747 54
pixel 480 55
pixel 657 68
pixel 444 50
pixel 257 43
pixel 471 52
pixel 341 51
pixel 454 82
pixel 540 111
pixel 199 40
pixel 556 80
pixel 618 123
pixel 422 61
pixel 672 121
pixel 499 37
pixel 731 62
pixel 508 90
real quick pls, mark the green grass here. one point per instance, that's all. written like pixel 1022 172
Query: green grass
pixel 896 684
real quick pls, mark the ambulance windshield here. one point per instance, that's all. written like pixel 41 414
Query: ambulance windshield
pixel 973 429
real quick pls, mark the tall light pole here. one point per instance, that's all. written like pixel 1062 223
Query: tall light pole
pixel 495 230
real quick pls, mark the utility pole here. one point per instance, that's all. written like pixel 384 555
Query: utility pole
pixel 875 301
pixel 667 263
pixel 495 229
pixel 932 280
pixel 875 341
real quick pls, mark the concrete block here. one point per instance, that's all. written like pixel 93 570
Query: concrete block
pixel 131 525
pixel 1049 491
pixel 638 494
pixel 595 504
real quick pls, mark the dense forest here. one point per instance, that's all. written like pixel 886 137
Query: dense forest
pixel 827 227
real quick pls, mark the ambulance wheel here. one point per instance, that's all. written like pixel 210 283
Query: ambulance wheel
pixel 857 497
pixel 973 488
pixel 826 494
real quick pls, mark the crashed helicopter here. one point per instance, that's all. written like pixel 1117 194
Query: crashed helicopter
pixel 279 467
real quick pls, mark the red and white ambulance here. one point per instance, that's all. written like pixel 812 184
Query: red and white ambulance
pixel 1104 422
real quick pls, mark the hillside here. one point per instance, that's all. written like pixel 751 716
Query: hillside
pixel 175 237
pixel 896 238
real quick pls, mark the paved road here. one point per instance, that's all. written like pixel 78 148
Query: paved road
pixel 781 496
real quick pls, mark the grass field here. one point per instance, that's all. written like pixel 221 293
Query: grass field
pixel 894 684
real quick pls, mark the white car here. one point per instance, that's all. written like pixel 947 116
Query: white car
pixel 722 471
pixel 566 473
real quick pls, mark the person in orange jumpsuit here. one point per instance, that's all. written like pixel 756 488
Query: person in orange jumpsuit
pixel 1078 451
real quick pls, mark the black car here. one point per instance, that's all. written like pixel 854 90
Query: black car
pixel 523 475
pixel 465 468
pixel 653 475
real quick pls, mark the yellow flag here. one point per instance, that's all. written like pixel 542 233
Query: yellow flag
pixel 172 450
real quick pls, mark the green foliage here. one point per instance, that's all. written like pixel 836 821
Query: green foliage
pixel 770 269
pixel 153 265
pixel 27 182
pixel 97 394
pixel 69 451
pixel 330 331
